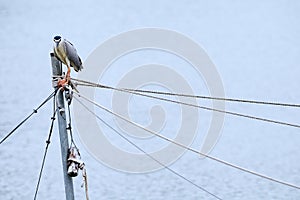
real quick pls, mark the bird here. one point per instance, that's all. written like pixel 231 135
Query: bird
pixel 67 54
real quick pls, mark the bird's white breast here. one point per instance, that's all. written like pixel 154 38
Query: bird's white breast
pixel 60 52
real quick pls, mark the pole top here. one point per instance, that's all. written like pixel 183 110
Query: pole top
pixel 56 69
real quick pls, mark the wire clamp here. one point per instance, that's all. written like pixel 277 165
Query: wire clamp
pixel 68 93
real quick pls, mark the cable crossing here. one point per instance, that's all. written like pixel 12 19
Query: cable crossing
pixel 189 148
pixel 150 94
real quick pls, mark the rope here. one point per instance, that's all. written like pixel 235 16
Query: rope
pixel 209 108
pixel 91 84
pixel 191 149
pixel 84 176
pixel 149 155
pixel 72 143
pixel 46 150
pixel 34 111
pixel 70 129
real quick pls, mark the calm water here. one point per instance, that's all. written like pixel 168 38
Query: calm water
pixel 255 47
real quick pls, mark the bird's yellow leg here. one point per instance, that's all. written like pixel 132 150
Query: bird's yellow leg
pixel 68 77
pixel 62 82
pixel 66 80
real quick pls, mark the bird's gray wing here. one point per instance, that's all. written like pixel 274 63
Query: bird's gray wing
pixel 73 56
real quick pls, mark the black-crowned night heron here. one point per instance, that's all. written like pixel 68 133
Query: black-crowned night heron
pixel 67 54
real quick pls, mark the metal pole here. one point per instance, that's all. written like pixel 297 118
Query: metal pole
pixel 62 125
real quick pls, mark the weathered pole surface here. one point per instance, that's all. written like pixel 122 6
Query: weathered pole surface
pixel 62 125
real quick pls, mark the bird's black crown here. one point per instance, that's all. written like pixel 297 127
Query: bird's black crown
pixel 57 37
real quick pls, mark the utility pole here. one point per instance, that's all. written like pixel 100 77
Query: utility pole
pixel 62 125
